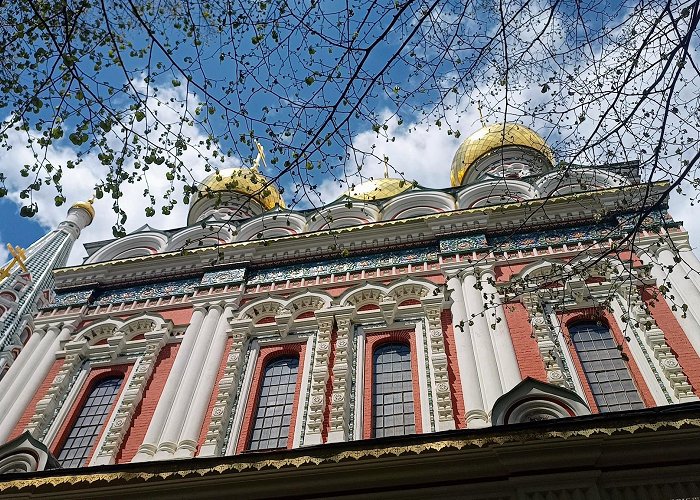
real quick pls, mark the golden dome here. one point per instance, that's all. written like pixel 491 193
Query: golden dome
pixel 491 137
pixel 245 181
pixel 378 189
pixel 87 206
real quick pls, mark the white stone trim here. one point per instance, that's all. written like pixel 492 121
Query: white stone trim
pixel 242 403
pixel 421 358
pixel 302 402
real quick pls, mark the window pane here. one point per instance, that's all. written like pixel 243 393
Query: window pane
pixel 273 416
pixel 606 371
pixel 392 413
pixel 87 426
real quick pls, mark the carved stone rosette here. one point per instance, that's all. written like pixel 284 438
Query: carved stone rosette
pixel 433 307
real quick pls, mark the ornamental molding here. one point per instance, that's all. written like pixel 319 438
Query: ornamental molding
pixel 142 336
pixel 432 307
pixel 368 236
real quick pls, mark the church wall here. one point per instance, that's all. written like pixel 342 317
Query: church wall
pixel 527 351
pixel 674 335
pixel 453 370
pixel 144 413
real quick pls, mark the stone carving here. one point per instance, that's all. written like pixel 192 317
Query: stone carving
pixel 433 308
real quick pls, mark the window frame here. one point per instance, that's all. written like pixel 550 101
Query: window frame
pixel 79 404
pixel 373 341
pixel 267 355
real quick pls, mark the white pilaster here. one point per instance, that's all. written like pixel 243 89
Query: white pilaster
pixel 186 389
pixel 165 404
pixel 483 347
pixel 502 342
pixel 476 415
pixel 187 444
pixel 12 375
pixel 31 377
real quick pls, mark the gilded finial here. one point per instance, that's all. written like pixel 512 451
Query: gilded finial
pixel 18 256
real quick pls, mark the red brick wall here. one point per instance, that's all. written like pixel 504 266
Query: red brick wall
pixel 180 316
pixel 453 370
pixel 268 354
pixel 374 340
pixel 143 414
pixel 527 352
pixel 40 393
pixel 675 337
pixel 212 400
pixel 592 314
pixel 95 375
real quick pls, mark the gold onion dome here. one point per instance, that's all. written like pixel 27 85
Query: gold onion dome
pixel 247 181
pixel 490 138
pixel 378 189
pixel 87 206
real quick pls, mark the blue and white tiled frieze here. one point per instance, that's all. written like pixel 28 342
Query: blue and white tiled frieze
pixel 71 299
pixel 223 277
pixel 464 244
pixel 149 291
pixel 341 266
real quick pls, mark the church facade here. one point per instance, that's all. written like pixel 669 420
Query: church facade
pixel 532 307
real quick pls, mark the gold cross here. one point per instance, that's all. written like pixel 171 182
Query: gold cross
pixel 261 156
pixel 18 256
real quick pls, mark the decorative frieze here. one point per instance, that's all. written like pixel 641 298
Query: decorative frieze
pixel 469 243
pixel 342 376
pixel 149 291
pixel 319 377
pixel 341 266
pixel 223 277
pixel 71 299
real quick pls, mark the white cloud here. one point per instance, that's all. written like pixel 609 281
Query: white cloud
pixel 4 254
pixel 79 183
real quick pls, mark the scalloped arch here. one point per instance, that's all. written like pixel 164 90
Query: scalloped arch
pixel 133 245
pixel 272 225
pixel 341 215
pixel 417 203
pixel 495 192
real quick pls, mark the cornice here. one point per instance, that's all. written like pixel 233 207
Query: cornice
pixel 361 239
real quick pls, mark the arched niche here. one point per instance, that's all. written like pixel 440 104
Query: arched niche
pixel 577 180
pixel 272 225
pixel 417 203
pixel 198 236
pixel 495 192
pixel 133 245
pixel 345 214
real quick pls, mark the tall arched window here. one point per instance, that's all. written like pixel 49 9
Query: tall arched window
pixel 87 426
pixel 605 369
pixel 392 391
pixel 275 404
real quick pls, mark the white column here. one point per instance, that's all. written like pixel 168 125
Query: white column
pixel 185 392
pixel 31 378
pixel 187 443
pixel 684 291
pixel 502 342
pixel 476 415
pixel 165 404
pixel 483 347
pixel 11 377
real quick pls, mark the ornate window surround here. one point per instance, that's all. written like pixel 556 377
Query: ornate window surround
pixel 136 341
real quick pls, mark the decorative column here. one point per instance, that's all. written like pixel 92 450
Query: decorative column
pixel 14 374
pixel 502 342
pixel 438 359
pixel 185 392
pixel 481 335
pixel 476 415
pixel 319 377
pixel 342 374
pixel 226 395
pixel 31 377
pixel 166 402
pixel 187 444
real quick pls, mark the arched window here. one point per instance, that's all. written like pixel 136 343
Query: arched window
pixel 87 426
pixel 392 391
pixel 605 369
pixel 275 403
